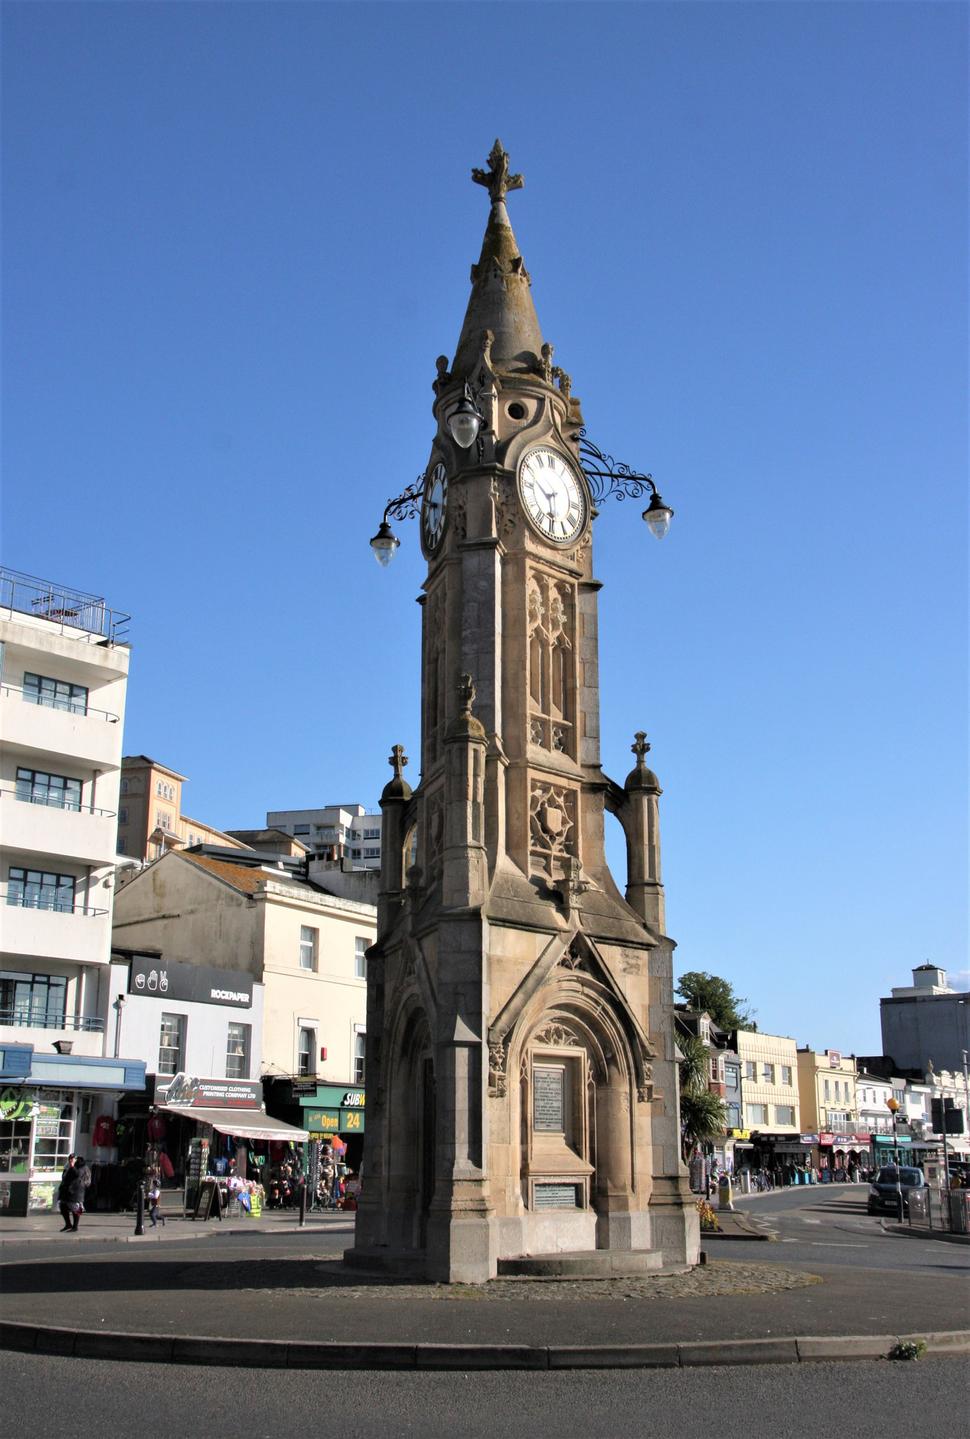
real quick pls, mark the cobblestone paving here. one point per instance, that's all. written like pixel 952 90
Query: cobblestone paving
pixel 332 1280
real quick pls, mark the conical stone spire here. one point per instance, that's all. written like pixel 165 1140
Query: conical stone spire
pixel 500 300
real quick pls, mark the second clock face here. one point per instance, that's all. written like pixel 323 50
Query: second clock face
pixel 553 495
pixel 433 509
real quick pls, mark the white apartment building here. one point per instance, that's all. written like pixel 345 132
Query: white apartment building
pixel 335 832
pixel 63 677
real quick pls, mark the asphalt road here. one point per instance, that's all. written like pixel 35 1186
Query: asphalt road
pixel 829 1225
pixel 871 1400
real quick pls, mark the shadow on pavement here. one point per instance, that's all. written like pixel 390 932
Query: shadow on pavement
pixel 94 1276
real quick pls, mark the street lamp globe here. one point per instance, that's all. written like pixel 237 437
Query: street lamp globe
pixel 658 516
pixel 384 543
pixel 464 422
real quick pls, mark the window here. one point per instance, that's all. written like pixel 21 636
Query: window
pixel 786 1074
pixel 301 829
pixel 732 1076
pixel 355 854
pixel 163 820
pixel 171 1044
pixel 750 1069
pixel 124 786
pixel 360 957
pixel 734 1116
pixel 123 814
pixel 785 1113
pixel 55 694
pixel 122 845
pixel 37 889
pixel 237 1051
pixel 308 947
pixel 372 834
pixel 35 786
pixel 767 1074
pixel 37 1000
pixel 757 1113
pixel 828 1089
pixel 372 854
pixel 360 1049
pixel 305 1047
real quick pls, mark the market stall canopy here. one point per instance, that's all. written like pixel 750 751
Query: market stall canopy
pixel 245 1123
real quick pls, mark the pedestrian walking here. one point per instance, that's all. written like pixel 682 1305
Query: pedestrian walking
pixel 154 1199
pixel 76 1187
pixel 62 1194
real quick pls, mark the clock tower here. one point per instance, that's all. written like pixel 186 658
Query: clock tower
pixel 521 1076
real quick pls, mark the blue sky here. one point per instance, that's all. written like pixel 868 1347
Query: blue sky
pixel 237 236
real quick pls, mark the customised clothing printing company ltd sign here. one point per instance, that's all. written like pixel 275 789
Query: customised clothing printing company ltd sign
pixel 199 983
pixel 188 1092
pixel 343 1112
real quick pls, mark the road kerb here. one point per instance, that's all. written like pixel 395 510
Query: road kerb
pixel 859 1346
pixel 740 1351
pixel 23 1337
pixel 614 1356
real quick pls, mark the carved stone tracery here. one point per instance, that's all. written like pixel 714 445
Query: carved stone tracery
pixel 552 827
pixel 552 663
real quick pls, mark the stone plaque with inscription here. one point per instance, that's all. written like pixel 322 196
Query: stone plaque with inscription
pixel 556 1196
pixel 548 1100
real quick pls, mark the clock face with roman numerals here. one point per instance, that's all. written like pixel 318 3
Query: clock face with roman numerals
pixel 553 495
pixel 433 508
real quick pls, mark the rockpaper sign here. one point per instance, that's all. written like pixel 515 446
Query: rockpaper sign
pixel 199 983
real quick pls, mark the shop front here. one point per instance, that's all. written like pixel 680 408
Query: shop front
pixel 843 1157
pixel 214 1137
pixel 795 1159
pixel 51 1106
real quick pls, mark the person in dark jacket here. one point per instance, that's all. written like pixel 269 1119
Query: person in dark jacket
pixel 76 1184
pixel 62 1199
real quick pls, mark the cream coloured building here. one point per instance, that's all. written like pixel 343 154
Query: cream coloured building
pixel 246 912
pixel 827 1083
pixel 769 1084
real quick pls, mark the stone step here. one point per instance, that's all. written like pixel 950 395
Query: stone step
pixel 584 1264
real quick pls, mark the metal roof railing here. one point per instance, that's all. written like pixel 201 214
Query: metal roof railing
pixel 70 609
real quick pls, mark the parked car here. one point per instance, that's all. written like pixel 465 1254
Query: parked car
pixel 889 1183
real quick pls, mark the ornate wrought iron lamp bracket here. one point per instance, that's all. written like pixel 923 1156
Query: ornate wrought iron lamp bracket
pixel 608 477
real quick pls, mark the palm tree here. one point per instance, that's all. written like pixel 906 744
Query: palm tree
pixel 702 1114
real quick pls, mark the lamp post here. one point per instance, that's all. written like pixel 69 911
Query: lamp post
pixel 893 1106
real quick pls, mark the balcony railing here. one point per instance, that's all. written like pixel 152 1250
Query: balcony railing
pixel 54 801
pixel 68 608
pixel 74 707
pixel 46 901
pixel 23 1018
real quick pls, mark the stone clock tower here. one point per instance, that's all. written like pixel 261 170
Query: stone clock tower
pixel 521 1080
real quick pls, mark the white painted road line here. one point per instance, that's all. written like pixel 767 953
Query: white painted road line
pixel 828 1244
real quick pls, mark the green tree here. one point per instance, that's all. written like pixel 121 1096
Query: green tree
pixel 702 1115
pixel 709 992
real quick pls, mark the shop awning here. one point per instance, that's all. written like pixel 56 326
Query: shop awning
pixel 246 1123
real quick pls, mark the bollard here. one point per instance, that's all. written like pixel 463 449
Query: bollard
pixel 303 1205
pixel 140 1210
pixel 725 1198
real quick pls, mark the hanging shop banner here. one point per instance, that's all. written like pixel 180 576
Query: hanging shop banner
pixel 199 983
pixel 186 1089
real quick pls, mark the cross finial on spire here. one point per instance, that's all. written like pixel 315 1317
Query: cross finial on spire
pixel 496 178
pixel 397 759
pixel 639 746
